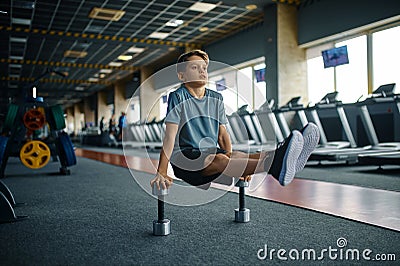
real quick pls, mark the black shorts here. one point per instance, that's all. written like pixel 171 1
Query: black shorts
pixel 189 164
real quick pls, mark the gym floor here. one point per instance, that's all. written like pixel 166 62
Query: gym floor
pixel 99 215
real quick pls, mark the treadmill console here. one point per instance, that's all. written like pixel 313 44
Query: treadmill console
pixel 293 104
pixel 329 100
pixel 384 90
pixel 385 93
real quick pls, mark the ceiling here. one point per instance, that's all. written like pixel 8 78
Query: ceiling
pixel 68 54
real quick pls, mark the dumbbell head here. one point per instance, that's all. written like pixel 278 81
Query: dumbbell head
pixel 242 216
pixel 161 228
pixel 159 192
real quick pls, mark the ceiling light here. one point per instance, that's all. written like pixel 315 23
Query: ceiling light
pixel 17 39
pixel 83 45
pixel 106 14
pixel 202 7
pixel 174 23
pixel 13 75
pixel 125 57
pixel 159 35
pixel 16 57
pixel 22 21
pixel 135 49
pixel 107 71
pixel 15 65
pixel 24 4
pixel 74 54
pixel 79 88
pixel 65 73
pixel 115 64
pixel 203 29
pixel 251 7
pixel 94 28
pixel 102 75
pixel 93 79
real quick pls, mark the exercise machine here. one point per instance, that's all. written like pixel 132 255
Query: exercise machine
pixel 330 103
pixel 351 155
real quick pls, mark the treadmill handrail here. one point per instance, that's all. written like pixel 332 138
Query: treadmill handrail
pixel 369 126
pixel 346 126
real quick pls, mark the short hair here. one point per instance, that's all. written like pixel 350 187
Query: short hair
pixel 180 66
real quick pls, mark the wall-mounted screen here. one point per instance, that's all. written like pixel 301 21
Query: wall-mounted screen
pixel 335 56
pixel 260 74
pixel 221 85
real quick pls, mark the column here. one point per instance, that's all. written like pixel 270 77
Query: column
pixel 286 67
pixel 120 103
pixel 78 117
pixel 102 109
pixel 70 119
pixel 149 98
pixel 88 111
pixel 292 63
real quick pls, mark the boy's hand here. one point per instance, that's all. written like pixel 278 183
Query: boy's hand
pixel 161 181
pixel 246 178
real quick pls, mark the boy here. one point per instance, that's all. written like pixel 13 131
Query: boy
pixel 198 146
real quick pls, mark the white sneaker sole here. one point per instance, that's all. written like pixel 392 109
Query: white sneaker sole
pixel 290 159
pixel 311 139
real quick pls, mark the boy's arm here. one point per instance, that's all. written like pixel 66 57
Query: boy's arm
pixel 224 140
pixel 168 144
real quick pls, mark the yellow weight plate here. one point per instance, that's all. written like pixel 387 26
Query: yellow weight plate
pixel 35 154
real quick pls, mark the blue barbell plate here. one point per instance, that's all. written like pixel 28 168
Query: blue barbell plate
pixel 67 149
pixel 3 145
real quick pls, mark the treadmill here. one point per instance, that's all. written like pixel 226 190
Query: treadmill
pixel 384 94
pixel 383 157
pixel 329 101
pixel 352 154
pixel 293 105
pixel 266 123
pixel 248 134
pixel 242 137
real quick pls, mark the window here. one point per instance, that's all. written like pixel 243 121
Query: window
pixel 228 89
pixel 320 79
pixel 242 87
pixel 352 78
pixel 245 87
pixel 386 57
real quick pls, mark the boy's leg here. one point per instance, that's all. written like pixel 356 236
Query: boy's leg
pixel 283 162
pixel 240 154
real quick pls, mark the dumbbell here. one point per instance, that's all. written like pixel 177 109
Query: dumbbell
pixel 242 215
pixel 161 226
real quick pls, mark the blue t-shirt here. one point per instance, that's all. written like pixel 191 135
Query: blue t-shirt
pixel 198 119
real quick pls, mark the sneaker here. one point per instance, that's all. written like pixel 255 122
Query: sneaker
pixel 283 167
pixel 311 138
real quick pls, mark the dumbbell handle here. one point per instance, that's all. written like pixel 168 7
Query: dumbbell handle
pixel 160 208
pixel 241 199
